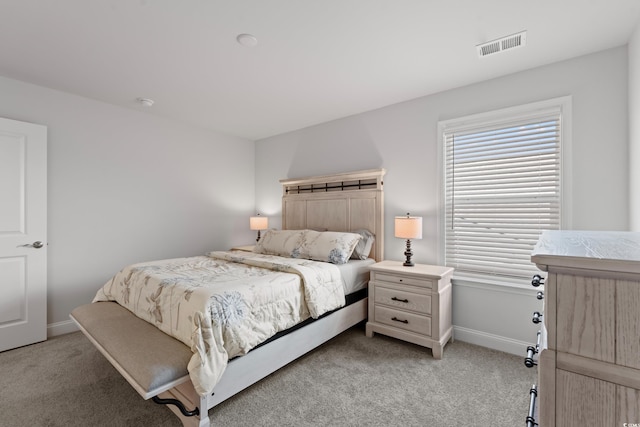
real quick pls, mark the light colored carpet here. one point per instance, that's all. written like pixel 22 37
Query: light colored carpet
pixel 349 381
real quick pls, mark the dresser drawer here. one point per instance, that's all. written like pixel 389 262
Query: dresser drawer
pixel 401 280
pixel 403 320
pixel 402 299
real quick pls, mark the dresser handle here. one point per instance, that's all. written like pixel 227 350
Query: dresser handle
pixel 531 421
pixel 537 317
pixel 528 361
pixel 398 299
pixel 398 320
pixel 537 281
pixel 540 295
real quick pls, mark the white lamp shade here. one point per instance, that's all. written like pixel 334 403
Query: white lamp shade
pixel 408 227
pixel 258 223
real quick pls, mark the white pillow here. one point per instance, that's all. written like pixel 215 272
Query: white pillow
pixel 363 248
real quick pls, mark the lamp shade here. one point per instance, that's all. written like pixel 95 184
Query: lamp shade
pixel 258 223
pixel 408 227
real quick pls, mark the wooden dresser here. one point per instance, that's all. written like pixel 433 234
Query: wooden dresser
pixel 589 358
pixel 411 303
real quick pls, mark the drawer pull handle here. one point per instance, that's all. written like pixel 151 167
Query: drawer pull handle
pixel 531 421
pixel 540 295
pixel 529 362
pixel 398 299
pixel 537 317
pixel 398 320
pixel 537 281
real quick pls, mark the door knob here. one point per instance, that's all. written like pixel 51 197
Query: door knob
pixel 38 244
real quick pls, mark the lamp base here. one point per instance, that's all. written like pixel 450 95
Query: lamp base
pixel 408 254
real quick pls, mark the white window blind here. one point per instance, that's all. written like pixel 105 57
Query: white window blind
pixel 502 188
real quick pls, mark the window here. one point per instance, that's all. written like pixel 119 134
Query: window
pixel 502 188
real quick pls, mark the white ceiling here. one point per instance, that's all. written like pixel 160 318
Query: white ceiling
pixel 316 60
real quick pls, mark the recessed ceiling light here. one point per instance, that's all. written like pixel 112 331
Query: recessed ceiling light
pixel 145 102
pixel 247 40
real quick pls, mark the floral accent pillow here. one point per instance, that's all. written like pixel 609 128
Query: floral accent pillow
pixel 328 246
pixel 280 242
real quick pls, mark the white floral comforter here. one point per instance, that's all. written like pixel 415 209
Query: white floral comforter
pixel 224 304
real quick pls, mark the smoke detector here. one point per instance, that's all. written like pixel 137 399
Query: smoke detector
pixel 500 45
pixel 247 40
pixel 145 102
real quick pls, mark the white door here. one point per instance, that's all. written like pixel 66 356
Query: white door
pixel 23 233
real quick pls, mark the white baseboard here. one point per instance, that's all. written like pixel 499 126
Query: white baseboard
pixel 496 342
pixel 61 328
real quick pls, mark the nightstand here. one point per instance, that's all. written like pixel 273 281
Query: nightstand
pixel 411 303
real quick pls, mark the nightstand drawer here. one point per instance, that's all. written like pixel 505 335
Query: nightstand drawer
pixel 403 320
pixel 401 299
pixel 401 280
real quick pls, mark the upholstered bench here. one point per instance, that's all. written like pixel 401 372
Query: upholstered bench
pixel 150 360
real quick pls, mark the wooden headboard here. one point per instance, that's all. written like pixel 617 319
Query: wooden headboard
pixel 340 202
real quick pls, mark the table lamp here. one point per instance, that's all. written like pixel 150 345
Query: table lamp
pixel 258 223
pixel 408 227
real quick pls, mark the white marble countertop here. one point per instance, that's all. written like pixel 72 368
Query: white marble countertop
pixel 598 250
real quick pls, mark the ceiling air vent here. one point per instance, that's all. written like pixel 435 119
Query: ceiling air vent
pixel 500 45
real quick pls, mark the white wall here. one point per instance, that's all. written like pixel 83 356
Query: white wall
pixel 402 139
pixel 127 187
pixel 634 130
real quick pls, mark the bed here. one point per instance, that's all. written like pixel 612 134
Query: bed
pixel 155 363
